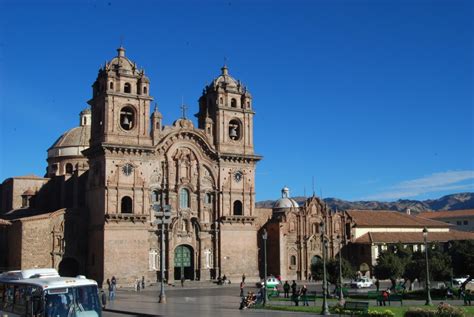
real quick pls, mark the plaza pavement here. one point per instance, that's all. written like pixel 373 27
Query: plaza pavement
pixel 204 299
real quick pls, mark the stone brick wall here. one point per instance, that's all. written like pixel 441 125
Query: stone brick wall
pixel 239 252
pixel 125 252
pixel 36 243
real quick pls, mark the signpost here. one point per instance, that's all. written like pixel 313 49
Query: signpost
pixel 162 217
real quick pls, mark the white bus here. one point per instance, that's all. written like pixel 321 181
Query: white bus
pixel 43 293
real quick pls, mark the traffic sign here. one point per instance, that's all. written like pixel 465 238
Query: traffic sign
pixel 156 207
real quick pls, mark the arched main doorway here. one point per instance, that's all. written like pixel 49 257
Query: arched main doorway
pixel 183 262
pixel 69 267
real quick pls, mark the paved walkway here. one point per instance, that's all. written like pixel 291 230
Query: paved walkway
pixel 204 299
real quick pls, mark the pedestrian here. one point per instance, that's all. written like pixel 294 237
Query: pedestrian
pixel 114 280
pixel 303 292
pixel 182 280
pixel 103 298
pixel 112 288
pixel 293 288
pixel 385 295
pixel 377 284
pixel 242 284
pixel 143 282
pixel 295 297
pixel 243 278
pixel 286 289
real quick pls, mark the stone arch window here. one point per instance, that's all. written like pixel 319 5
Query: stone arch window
pixel 315 228
pixel 184 198
pixel 126 205
pixel 233 103
pixel 127 118
pixel 293 260
pixel 237 208
pixel 69 168
pixel 221 100
pixel 208 198
pixel 155 196
pixel 248 104
pixel 111 85
pixel 145 90
pixel 235 129
pixel 127 88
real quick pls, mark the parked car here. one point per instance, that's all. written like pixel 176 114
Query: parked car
pixel 459 280
pixel 361 282
pixel 271 282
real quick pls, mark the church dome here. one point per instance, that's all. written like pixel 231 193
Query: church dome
pixel 285 202
pixel 228 83
pixel 73 141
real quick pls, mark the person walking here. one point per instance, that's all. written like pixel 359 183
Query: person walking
pixel 293 288
pixel 243 277
pixel 286 289
pixel 112 287
pixel 304 298
pixel 377 284
pixel 182 280
pixel 242 285
pixel 143 282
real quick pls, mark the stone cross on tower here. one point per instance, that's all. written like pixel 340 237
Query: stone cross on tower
pixel 183 109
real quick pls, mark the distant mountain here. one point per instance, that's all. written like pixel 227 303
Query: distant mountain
pixel 449 202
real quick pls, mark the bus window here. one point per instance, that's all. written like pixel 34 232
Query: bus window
pixel 19 306
pixel 9 295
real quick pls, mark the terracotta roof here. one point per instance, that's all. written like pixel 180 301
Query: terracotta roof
pixel 447 214
pixel 413 237
pixel 386 218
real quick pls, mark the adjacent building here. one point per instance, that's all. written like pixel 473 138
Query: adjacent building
pixel 462 219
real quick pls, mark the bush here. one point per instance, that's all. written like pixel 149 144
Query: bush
pixel 338 309
pixel 374 313
pixel 418 312
pixel 446 310
pixel 443 310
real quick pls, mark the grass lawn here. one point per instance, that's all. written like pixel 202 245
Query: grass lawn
pixel 398 311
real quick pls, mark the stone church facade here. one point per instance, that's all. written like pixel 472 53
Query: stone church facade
pixel 121 160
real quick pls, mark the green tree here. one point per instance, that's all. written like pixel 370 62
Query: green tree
pixel 332 269
pixel 389 266
pixel 415 268
pixel 439 265
pixel 462 257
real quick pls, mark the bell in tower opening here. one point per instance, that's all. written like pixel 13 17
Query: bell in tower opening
pixel 126 118
pixel 234 130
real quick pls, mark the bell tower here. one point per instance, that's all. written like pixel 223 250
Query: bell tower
pixel 226 115
pixel 120 103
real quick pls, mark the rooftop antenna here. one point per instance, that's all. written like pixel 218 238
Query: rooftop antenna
pixel 304 191
pixel 121 40
pixel 313 186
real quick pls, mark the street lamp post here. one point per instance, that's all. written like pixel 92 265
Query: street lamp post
pixel 265 237
pixel 341 294
pixel 324 308
pixel 162 217
pixel 427 284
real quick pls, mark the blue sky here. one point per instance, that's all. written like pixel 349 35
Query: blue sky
pixel 374 99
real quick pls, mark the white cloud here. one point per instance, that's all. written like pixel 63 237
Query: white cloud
pixel 437 182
